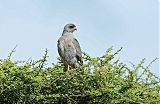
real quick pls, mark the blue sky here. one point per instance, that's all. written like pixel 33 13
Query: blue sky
pixel 34 25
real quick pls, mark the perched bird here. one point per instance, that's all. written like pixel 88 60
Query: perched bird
pixel 69 48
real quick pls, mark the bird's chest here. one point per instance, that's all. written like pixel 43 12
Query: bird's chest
pixel 69 46
pixel 68 40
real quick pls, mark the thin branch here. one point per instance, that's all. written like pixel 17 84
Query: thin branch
pixel 13 50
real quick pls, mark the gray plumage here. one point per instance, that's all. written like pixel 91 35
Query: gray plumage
pixel 69 48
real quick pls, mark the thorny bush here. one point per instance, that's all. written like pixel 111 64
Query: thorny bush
pixel 101 80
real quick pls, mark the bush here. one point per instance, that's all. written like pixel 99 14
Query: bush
pixel 101 80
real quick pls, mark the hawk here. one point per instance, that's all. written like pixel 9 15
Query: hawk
pixel 69 48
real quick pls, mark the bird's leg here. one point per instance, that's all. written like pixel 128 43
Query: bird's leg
pixel 68 68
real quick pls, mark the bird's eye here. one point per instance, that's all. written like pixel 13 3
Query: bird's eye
pixel 71 27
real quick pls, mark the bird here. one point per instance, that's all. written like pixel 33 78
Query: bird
pixel 69 48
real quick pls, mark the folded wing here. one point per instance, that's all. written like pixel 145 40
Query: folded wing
pixel 78 50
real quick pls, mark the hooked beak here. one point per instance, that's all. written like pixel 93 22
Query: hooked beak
pixel 74 28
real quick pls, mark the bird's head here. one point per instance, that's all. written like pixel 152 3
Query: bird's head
pixel 70 28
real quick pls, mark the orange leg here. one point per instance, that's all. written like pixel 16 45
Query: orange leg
pixel 68 68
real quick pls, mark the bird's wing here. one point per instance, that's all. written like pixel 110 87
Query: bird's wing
pixel 78 50
pixel 60 48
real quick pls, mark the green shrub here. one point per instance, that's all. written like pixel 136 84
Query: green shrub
pixel 101 80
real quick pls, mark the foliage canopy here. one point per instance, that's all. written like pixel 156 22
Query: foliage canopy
pixel 101 80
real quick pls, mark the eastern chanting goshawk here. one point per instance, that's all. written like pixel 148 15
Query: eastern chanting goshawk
pixel 69 48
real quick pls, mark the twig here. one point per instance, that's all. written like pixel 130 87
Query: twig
pixel 13 50
pixel 44 59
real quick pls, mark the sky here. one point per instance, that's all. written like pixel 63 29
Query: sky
pixel 34 25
